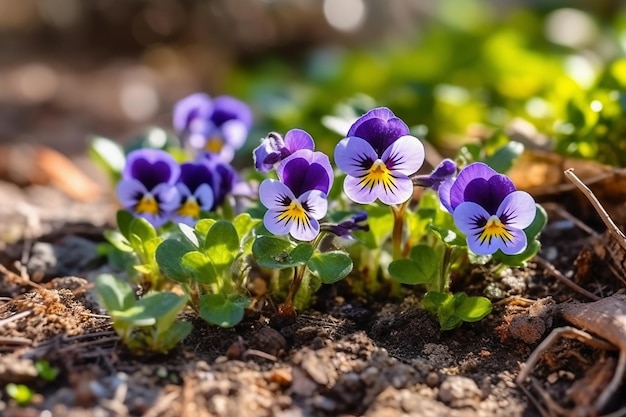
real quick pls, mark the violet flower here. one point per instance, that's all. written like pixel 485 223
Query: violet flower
pixel 274 149
pixel 298 199
pixel 346 227
pixel 443 173
pixel 147 187
pixel 488 209
pixel 378 155
pixel 196 189
pixel 219 126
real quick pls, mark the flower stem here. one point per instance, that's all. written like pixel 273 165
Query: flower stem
pixel 444 273
pixel 298 275
pixel 398 227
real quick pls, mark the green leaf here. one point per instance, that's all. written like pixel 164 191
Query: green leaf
pixel 519 260
pixel 449 236
pixel 46 371
pixel 124 219
pixel 406 271
pixel 473 309
pixel 244 223
pixel 202 227
pixel 163 306
pixel 190 234
pixel 200 267
pixel 169 256
pixel 503 159
pixel 432 300
pixel 109 155
pixel 142 228
pixel 135 316
pixel 222 245
pixel 219 310
pixel 22 394
pixel 118 240
pixel 330 267
pixel 275 253
pixel 168 339
pixel 116 295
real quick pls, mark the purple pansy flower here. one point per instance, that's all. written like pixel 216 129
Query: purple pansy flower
pixel 219 126
pixel 147 187
pixel 298 199
pixel 378 155
pixel 442 174
pixel 489 210
pixel 274 149
pixel 344 229
pixel 196 189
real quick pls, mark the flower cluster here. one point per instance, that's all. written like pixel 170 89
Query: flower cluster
pixel 489 210
pixel 156 187
pixel 298 199
pixel 217 127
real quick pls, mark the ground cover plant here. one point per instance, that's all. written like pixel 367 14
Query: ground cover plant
pixel 391 234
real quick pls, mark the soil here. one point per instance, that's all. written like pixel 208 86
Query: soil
pixel 342 357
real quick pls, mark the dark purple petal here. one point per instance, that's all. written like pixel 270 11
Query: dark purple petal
pixel 380 128
pixel 229 108
pixel 151 167
pixel 305 170
pixel 468 174
pixel 194 174
pixel 489 193
pixel 194 106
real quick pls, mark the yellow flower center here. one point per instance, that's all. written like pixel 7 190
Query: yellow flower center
pixel 148 205
pixel 190 208
pixel 495 229
pixel 377 174
pixel 214 145
pixel 295 212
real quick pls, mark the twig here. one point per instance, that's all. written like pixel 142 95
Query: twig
pixel 563 279
pixel 15 317
pixel 613 229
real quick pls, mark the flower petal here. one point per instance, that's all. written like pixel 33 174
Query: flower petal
pixel 316 203
pixel 235 133
pixel 306 170
pixel 194 106
pixel 297 139
pixel 516 245
pixel 354 156
pixel 205 197
pixel 304 231
pixel 129 192
pixel 399 190
pixel 517 210
pixel 168 197
pixel 274 224
pixel 229 108
pixel 151 167
pixel 274 194
pixel 467 174
pixel 405 155
pixel 469 216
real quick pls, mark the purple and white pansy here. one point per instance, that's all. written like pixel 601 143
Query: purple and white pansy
pixel 148 185
pixel 378 155
pixel 298 199
pixel 489 210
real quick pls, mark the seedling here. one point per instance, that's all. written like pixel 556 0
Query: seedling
pixel 146 324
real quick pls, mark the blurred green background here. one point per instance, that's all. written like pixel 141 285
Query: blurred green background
pixel 551 74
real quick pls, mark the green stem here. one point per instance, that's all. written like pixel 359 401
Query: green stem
pixel 444 274
pixel 398 226
pixel 298 275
